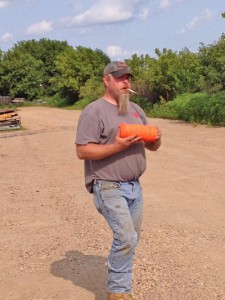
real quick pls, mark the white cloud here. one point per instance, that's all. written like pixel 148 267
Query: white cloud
pixel 106 12
pixel 4 3
pixel 164 3
pixel 102 14
pixel 39 28
pixel 144 14
pixel 194 23
pixel 167 3
pixel 206 15
pixel 115 51
pixel 7 37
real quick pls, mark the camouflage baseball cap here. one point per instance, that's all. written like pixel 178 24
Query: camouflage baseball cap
pixel 117 69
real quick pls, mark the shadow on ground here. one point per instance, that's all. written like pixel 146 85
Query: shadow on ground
pixel 87 271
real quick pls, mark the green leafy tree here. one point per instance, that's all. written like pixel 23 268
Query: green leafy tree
pixel 166 80
pixel 1 73
pixel 212 60
pixel 92 89
pixel 74 68
pixel 46 51
pixel 188 70
pixel 143 69
pixel 160 78
pixel 21 75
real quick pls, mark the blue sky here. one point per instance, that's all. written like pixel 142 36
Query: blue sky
pixel 119 28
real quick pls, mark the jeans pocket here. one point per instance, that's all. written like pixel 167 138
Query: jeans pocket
pixel 109 190
pixel 109 185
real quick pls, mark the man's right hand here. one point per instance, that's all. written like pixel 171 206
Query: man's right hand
pixel 124 143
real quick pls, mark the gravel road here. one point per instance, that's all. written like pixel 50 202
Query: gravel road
pixel 53 242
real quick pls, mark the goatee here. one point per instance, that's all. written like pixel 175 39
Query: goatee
pixel 123 103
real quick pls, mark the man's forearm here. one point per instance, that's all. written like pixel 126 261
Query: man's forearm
pixel 95 151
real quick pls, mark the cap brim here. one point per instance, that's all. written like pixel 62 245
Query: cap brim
pixel 120 73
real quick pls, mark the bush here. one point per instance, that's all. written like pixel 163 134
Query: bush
pixel 144 103
pixel 200 108
pixel 56 101
pixel 79 105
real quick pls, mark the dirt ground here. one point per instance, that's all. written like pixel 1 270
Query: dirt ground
pixel 53 242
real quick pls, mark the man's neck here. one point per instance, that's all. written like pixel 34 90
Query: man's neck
pixel 110 99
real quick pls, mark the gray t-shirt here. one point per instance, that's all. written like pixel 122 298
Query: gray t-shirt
pixel 99 123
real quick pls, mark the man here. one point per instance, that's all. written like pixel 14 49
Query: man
pixel 113 166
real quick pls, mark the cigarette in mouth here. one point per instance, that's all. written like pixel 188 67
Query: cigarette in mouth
pixel 132 91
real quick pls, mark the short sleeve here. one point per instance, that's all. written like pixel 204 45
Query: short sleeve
pixel 88 129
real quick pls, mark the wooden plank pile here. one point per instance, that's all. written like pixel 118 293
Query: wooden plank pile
pixel 9 119
pixel 18 101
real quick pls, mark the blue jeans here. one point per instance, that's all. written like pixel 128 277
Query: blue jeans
pixel 121 203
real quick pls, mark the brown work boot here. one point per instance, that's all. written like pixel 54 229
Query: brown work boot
pixel 120 296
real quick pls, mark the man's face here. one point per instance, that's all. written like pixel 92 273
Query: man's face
pixel 118 88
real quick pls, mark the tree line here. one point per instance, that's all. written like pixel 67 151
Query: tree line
pixel 53 69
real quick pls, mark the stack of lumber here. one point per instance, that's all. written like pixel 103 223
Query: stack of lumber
pixel 18 101
pixel 9 119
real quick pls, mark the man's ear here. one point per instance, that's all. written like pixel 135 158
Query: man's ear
pixel 106 80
